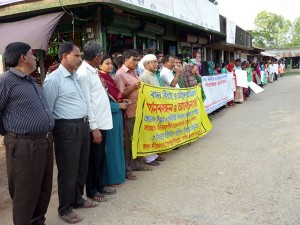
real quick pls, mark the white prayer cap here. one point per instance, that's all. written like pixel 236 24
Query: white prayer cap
pixel 149 58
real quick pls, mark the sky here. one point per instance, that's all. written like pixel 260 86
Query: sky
pixel 243 12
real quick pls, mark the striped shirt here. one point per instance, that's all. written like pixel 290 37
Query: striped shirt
pixel 23 107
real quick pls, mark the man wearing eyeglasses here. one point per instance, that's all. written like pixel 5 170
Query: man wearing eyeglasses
pixel 150 63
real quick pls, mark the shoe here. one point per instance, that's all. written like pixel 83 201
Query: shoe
pixel 108 191
pixel 71 218
pixel 153 163
pixel 159 158
pixel 99 198
pixel 87 204
pixel 130 176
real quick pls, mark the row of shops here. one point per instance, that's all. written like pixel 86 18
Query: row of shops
pixel 177 29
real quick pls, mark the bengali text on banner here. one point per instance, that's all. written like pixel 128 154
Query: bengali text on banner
pixel 218 91
pixel 167 118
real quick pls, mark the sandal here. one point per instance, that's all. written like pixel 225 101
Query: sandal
pixel 130 176
pixel 98 198
pixel 108 191
pixel 87 204
pixel 115 185
pixel 144 168
pixel 159 158
pixel 71 218
pixel 154 163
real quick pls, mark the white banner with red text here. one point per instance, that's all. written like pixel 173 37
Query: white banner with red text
pixel 218 91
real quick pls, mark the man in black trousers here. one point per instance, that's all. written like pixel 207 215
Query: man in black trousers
pixel 71 132
pixel 26 122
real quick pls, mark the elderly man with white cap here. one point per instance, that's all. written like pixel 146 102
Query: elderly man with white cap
pixel 150 63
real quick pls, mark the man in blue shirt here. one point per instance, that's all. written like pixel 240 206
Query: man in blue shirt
pixel 71 132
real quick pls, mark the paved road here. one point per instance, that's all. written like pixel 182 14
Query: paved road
pixel 246 171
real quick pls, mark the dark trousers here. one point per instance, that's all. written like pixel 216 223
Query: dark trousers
pixel 131 164
pixel 94 180
pixel 30 171
pixel 71 142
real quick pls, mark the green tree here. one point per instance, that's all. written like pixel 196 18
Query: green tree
pixel 295 34
pixel 271 30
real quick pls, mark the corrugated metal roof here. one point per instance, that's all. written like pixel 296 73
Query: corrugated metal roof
pixel 285 52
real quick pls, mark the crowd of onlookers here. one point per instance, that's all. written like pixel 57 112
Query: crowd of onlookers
pixel 87 109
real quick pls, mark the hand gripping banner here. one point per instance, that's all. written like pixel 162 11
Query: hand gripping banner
pixel 167 118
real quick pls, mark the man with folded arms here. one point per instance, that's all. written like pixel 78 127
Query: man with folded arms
pixel 26 122
pixel 71 132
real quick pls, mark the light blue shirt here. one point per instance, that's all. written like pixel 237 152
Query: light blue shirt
pixel 64 95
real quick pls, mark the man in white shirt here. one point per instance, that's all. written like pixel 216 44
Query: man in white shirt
pixel 166 74
pixel 100 119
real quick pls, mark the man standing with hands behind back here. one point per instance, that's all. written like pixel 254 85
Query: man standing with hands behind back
pixel 71 132
pixel 26 122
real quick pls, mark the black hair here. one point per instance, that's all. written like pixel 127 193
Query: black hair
pixel 130 53
pixel 204 68
pixel 238 60
pixel 118 61
pixel 104 58
pixel 166 58
pixel 224 64
pixel 147 51
pixel 66 47
pixel 91 50
pixel 14 51
pixel 177 57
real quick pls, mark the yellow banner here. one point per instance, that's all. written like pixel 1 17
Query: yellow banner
pixel 167 118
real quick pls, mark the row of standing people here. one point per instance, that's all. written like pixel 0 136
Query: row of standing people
pixel 87 112
pixel 80 109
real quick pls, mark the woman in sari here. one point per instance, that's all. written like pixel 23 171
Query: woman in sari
pixel 115 161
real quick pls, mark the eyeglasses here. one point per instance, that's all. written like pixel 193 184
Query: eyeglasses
pixel 153 62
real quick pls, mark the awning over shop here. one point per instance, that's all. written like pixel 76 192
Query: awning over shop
pixel 35 31
pixel 270 54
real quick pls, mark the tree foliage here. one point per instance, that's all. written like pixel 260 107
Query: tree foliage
pixel 271 30
pixel 296 33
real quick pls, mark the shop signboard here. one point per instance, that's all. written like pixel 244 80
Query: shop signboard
pixel 200 12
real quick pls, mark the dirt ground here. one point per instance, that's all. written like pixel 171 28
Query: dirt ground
pixel 246 171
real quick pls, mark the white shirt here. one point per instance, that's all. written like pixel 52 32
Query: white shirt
pixel 140 69
pixel 97 99
pixel 167 77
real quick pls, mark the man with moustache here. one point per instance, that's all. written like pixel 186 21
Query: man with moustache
pixel 150 63
pixel 128 83
pixel 26 122
pixel 71 132
pixel 166 74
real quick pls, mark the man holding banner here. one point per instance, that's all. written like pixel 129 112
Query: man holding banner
pixel 148 76
pixel 128 83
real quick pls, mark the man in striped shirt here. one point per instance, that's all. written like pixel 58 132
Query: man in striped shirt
pixel 26 122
